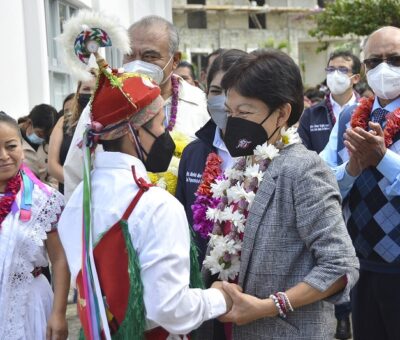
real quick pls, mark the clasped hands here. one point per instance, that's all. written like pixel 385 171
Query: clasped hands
pixel 243 308
pixel 366 148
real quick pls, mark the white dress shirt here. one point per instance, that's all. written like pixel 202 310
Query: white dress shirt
pixel 160 236
pixel 218 143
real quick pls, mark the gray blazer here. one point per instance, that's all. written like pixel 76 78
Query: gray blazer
pixel 295 232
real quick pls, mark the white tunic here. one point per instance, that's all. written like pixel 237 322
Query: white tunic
pixel 160 236
pixel 25 301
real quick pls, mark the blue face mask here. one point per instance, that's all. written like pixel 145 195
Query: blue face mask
pixel 35 139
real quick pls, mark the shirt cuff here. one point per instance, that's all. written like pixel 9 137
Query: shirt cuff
pixel 389 166
pixel 216 303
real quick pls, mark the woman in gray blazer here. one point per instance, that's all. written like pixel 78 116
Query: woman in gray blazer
pixel 295 241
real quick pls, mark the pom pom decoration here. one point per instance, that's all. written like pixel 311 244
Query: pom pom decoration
pixel 84 34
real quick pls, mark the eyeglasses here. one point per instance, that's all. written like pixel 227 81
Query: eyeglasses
pixel 374 62
pixel 340 69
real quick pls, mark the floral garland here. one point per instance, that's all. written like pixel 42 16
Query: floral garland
pixel 11 191
pixel 169 179
pixel 232 194
pixel 204 198
pixel 361 117
pixel 174 103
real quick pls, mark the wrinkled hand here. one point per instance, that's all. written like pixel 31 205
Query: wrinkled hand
pixel 366 148
pixel 245 308
pixel 57 327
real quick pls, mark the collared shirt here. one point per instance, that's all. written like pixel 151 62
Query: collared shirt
pixel 160 236
pixel 191 116
pixel 192 109
pixel 337 108
pixel 389 166
pixel 218 143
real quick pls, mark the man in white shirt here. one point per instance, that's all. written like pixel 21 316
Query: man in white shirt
pixel 316 122
pixel 154 43
pixel 145 246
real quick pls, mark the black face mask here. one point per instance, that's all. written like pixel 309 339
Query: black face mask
pixel 161 152
pixel 83 99
pixel 242 136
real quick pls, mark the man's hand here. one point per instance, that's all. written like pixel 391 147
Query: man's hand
pixel 218 285
pixel 367 148
pixel 246 308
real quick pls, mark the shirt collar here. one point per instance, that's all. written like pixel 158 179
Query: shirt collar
pixel 185 92
pixel 389 107
pixel 336 106
pixel 119 160
pixel 218 141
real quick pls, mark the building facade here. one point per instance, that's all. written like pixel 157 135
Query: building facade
pixel 32 67
pixel 206 25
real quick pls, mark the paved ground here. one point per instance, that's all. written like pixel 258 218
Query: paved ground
pixel 74 324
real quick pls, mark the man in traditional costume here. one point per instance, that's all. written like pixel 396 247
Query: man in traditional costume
pixel 132 260
pixel 154 42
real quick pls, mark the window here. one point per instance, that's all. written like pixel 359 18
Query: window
pixel 258 21
pixel 197 19
pixel 61 84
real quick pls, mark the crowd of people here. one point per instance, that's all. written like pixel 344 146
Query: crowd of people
pixel 284 213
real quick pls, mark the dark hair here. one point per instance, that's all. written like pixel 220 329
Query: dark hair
pixel 270 76
pixel 347 55
pixel 43 116
pixel 189 66
pixel 223 62
pixel 6 119
pixel 216 52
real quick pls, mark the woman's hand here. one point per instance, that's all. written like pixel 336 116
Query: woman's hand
pixel 57 327
pixel 246 308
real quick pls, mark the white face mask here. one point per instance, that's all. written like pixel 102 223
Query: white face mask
pixel 338 83
pixel 384 80
pixel 152 70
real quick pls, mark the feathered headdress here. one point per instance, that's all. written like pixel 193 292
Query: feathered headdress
pixel 84 34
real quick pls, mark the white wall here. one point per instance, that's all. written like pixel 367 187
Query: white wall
pixel 14 97
pixel 23 58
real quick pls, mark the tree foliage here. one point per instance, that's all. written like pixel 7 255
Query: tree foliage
pixel 359 17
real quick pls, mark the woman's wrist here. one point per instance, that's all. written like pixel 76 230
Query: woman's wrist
pixel 268 308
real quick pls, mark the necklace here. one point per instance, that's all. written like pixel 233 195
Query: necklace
pixel 6 202
pixel 230 196
pixel 361 117
pixel 174 103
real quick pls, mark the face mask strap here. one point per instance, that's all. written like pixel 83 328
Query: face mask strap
pixel 273 133
pixel 139 148
pixel 149 132
pixel 169 76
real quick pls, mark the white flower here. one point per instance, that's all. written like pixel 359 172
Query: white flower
pixel 290 136
pixel 265 151
pixel 237 192
pixel 218 188
pixel 234 174
pixel 214 214
pixel 253 171
pixel 239 221
pixel 232 271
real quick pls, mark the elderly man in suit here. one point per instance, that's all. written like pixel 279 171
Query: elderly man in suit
pixel 366 160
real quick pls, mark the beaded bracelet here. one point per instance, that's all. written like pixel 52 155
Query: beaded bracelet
pixel 288 305
pixel 282 302
pixel 278 306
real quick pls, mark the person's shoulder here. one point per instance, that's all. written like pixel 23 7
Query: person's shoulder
pixel 191 94
pixel 157 198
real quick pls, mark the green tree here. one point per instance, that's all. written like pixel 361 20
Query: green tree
pixel 359 17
